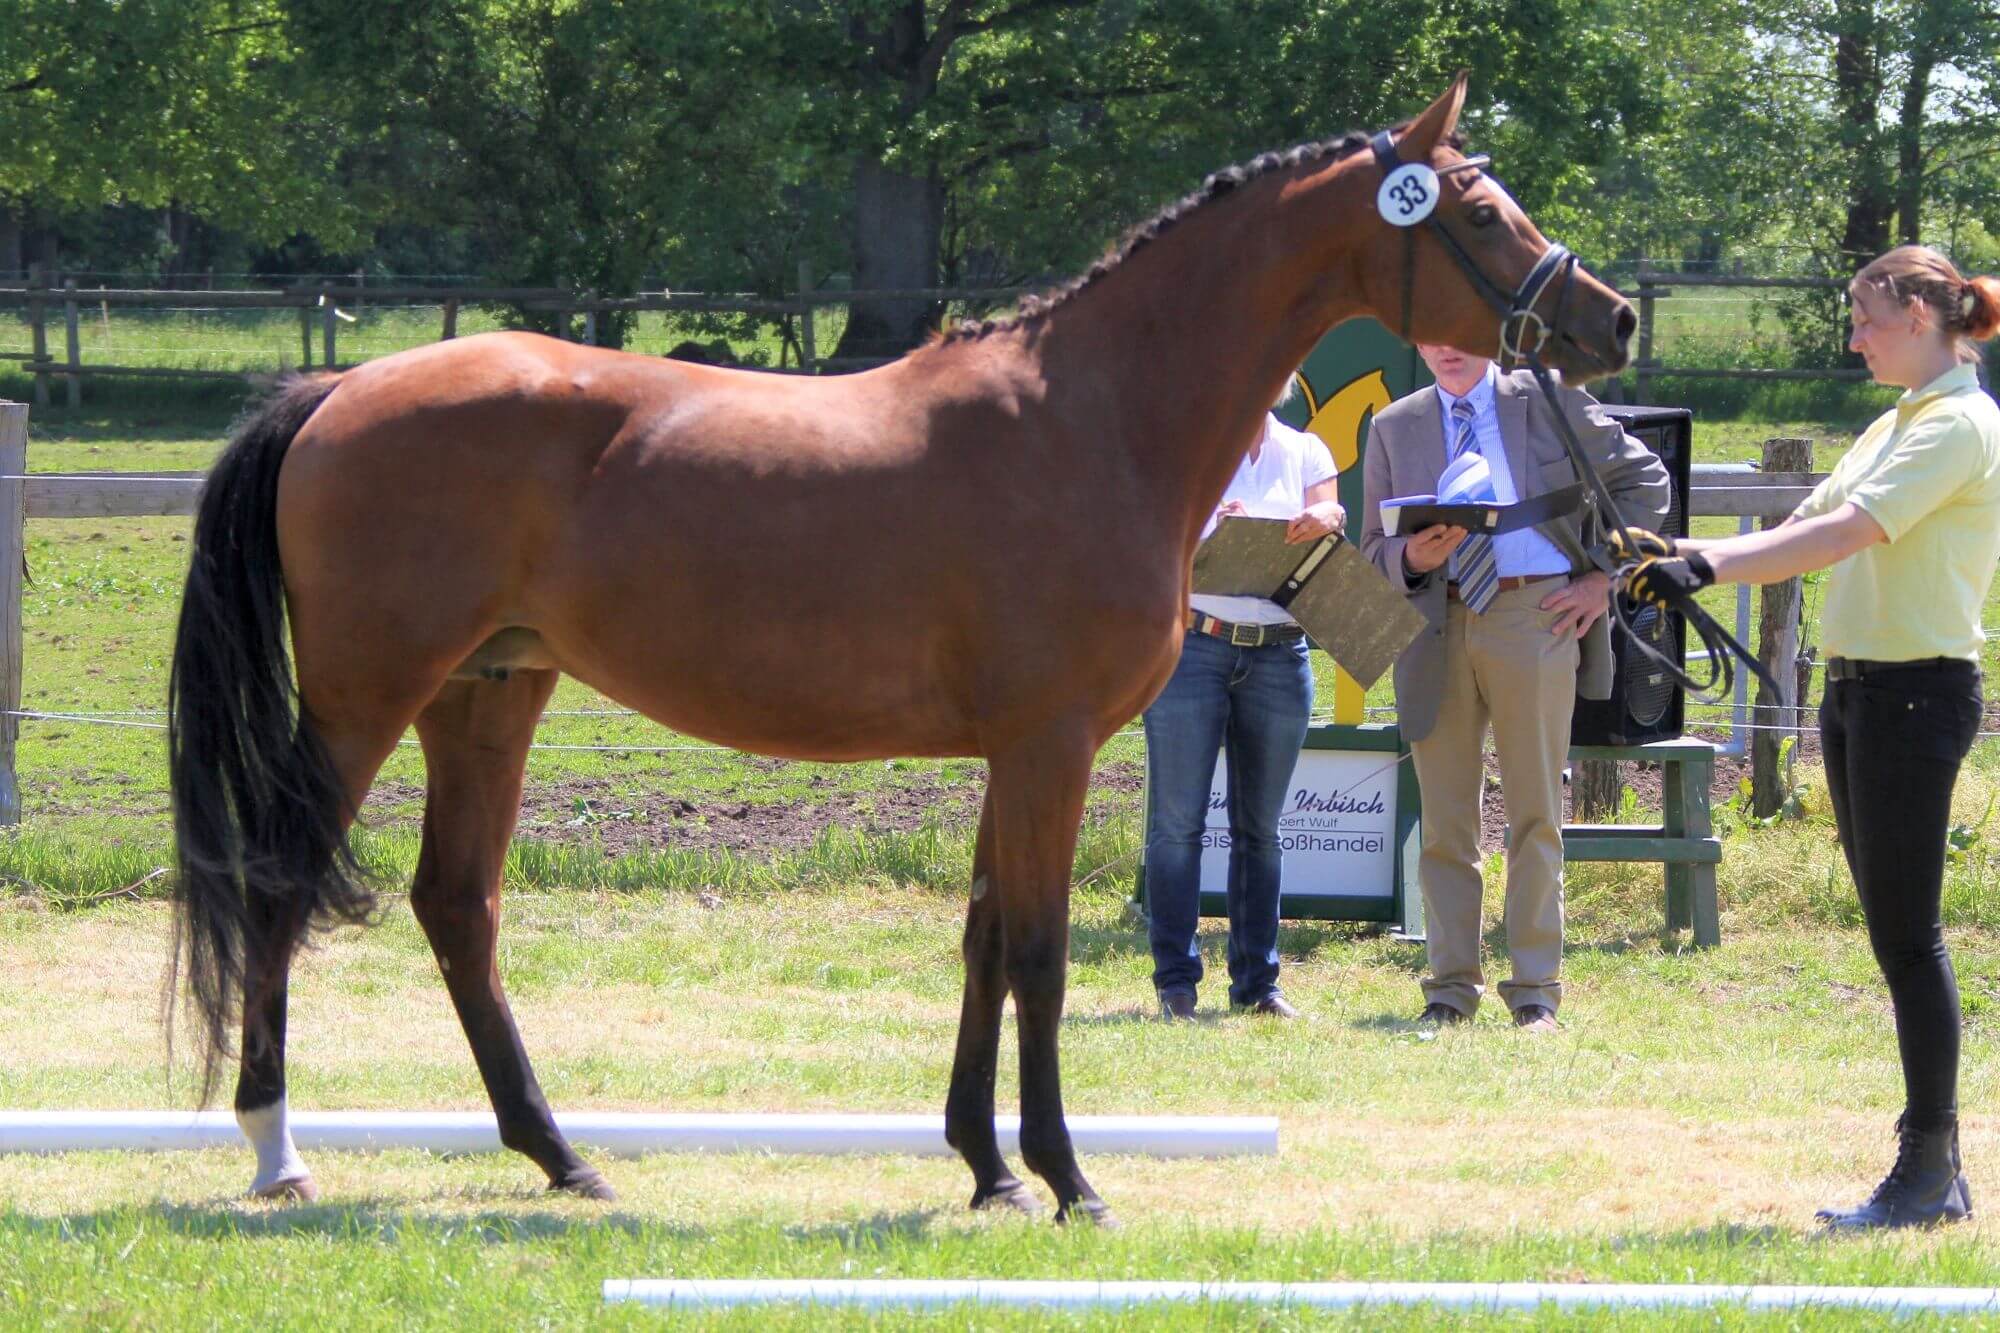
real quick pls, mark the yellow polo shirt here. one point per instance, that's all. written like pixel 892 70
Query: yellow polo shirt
pixel 1928 471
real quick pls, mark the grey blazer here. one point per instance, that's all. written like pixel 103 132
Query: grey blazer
pixel 1405 456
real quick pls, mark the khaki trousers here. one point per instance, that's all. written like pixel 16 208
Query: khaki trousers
pixel 1503 666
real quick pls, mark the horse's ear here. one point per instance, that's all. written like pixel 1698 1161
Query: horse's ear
pixel 1437 122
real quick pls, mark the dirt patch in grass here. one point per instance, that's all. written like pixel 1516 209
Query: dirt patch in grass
pixel 1646 781
pixel 598 812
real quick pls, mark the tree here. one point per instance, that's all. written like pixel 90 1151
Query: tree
pixel 591 144
pixel 1020 132
pixel 183 104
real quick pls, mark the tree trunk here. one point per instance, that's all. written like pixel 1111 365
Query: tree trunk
pixel 12 261
pixel 1857 76
pixel 1910 141
pixel 1595 790
pixel 894 245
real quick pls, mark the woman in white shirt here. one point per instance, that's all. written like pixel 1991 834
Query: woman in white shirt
pixel 1243 683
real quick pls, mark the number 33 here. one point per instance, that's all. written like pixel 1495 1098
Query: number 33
pixel 1410 195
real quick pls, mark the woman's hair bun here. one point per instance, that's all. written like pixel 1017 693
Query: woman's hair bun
pixel 1982 307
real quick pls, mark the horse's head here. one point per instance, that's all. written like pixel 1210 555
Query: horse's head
pixel 1451 258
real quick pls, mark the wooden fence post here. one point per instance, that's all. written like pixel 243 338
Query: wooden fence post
pixel 38 317
pixel 808 349
pixel 450 320
pixel 13 552
pixel 590 319
pixel 74 344
pixel 1778 649
pixel 328 320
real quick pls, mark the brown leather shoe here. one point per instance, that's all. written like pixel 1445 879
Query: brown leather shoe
pixel 1440 1015
pixel 1177 1006
pixel 1271 1006
pixel 1536 1018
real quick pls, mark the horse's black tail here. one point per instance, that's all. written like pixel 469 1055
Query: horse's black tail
pixel 259 812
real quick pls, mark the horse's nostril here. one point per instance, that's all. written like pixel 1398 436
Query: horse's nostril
pixel 1625 325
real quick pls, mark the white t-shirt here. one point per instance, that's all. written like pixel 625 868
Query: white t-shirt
pixel 1273 484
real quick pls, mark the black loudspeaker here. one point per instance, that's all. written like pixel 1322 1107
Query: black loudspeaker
pixel 1645 704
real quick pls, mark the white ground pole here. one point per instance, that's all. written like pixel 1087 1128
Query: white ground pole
pixel 625 1134
pixel 1493 1297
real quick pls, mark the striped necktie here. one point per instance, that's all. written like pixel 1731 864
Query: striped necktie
pixel 1473 565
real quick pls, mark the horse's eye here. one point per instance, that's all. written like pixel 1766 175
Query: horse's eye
pixel 1483 215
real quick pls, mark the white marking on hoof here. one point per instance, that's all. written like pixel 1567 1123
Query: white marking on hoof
pixel 280 1172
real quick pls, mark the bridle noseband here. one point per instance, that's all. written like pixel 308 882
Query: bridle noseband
pixel 1523 335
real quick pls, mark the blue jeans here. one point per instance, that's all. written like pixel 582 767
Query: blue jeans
pixel 1259 700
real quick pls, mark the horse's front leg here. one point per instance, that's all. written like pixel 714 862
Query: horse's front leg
pixel 968 1111
pixel 1036 793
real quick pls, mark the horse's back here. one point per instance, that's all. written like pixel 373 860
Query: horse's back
pixel 801 566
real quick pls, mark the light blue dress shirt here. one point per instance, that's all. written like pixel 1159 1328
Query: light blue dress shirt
pixel 1525 553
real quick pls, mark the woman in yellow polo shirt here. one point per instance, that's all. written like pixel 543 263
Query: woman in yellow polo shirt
pixel 1910 523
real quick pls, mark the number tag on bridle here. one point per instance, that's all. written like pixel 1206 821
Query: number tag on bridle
pixel 1408 194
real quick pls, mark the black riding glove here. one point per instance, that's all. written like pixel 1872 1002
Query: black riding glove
pixel 1669 581
pixel 1643 544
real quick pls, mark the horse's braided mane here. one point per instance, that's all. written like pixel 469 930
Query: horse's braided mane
pixel 1218 184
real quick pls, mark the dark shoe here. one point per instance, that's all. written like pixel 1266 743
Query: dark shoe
pixel 1925 1186
pixel 1273 1005
pixel 1437 1015
pixel 1177 1005
pixel 1536 1018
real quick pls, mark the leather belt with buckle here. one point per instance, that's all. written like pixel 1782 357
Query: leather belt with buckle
pixel 1854 668
pixel 1505 583
pixel 1239 635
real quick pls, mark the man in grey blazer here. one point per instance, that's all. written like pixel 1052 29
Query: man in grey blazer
pixel 1517 629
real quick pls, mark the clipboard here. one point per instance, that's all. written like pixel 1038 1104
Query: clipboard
pixel 1363 621
pixel 1412 514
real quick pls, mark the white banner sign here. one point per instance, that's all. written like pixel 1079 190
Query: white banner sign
pixel 1337 826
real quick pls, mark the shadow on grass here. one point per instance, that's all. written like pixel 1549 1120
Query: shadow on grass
pixel 871 1233
pixel 1128 939
pixel 366 1219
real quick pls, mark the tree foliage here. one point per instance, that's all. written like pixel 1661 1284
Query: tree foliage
pixel 721 143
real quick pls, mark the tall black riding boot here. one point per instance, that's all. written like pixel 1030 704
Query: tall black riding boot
pixel 1926 1185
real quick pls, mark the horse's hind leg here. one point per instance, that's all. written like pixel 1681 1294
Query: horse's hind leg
pixel 475 736
pixel 273 935
pixel 356 747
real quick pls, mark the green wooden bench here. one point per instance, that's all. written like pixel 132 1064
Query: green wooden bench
pixel 1684 840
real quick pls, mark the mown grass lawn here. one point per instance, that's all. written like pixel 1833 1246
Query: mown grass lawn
pixel 1683 1126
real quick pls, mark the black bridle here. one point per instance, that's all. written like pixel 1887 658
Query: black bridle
pixel 1523 335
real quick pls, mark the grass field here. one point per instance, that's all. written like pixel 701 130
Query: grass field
pixel 688 929
pixel 1683 1127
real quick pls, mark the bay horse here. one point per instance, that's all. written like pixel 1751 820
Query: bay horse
pixel 982 549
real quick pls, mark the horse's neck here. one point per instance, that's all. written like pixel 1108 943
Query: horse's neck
pixel 1193 336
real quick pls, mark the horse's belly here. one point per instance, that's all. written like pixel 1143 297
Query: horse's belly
pixel 801 702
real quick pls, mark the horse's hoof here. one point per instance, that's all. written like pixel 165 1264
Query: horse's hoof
pixel 1094 1211
pixel 588 1186
pixel 295 1189
pixel 1016 1196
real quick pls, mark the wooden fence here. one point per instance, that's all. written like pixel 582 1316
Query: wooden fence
pixel 1655 286
pixel 323 308
pixel 24 495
